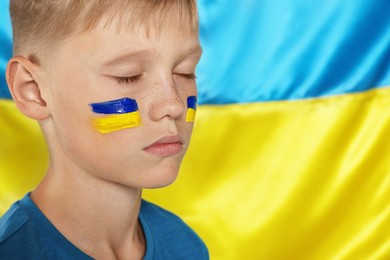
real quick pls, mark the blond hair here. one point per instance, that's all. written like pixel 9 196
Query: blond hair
pixel 39 25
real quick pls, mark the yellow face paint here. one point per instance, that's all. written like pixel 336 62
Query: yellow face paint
pixel 191 109
pixel 113 123
pixel 190 117
pixel 121 113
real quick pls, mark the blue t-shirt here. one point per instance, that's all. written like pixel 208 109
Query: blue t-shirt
pixel 25 233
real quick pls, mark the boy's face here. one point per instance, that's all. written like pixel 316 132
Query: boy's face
pixel 104 65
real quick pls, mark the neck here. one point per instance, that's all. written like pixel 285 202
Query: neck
pixel 97 216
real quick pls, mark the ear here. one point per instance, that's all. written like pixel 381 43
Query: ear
pixel 22 82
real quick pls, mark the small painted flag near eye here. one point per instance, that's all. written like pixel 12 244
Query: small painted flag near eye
pixel 191 109
pixel 120 114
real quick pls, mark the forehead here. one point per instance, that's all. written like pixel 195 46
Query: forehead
pixel 118 31
pixel 125 16
pixel 172 39
pixel 122 18
pixel 111 42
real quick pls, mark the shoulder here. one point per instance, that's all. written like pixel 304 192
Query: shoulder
pixel 163 221
pixel 172 238
pixel 11 222
pixel 17 237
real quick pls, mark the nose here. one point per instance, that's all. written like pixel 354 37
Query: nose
pixel 167 101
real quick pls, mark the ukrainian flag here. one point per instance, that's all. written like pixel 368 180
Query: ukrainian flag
pixel 290 152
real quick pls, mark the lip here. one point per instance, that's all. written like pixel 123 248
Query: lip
pixel 166 146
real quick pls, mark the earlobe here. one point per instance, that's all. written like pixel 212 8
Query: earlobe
pixel 25 89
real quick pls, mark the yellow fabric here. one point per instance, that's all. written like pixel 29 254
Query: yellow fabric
pixel 23 154
pixel 306 179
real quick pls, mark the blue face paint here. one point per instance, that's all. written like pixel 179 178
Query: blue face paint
pixel 119 106
pixel 191 102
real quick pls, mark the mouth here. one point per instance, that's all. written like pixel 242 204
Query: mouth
pixel 167 146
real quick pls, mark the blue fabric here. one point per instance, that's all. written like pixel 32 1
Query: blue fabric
pixel 5 46
pixel 168 237
pixel 25 233
pixel 291 49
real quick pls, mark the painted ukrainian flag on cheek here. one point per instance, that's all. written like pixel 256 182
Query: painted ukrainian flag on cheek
pixel 290 151
pixel 117 115
pixel 191 109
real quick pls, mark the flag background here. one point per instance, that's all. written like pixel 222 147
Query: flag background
pixel 290 153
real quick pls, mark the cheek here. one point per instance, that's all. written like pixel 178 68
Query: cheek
pixel 69 96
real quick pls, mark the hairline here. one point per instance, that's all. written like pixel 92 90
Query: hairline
pixel 89 19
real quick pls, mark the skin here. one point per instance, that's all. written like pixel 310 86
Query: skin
pixel 92 189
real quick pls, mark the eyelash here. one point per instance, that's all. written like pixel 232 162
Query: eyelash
pixel 128 80
pixel 133 79
pixel 187 76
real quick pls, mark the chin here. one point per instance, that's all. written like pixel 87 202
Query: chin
pixel 150 177
pixel 161 179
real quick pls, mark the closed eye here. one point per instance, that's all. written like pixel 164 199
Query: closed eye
pixel 186 75
pixel 128 80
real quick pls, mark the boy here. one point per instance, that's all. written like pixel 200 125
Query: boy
pixel 112 85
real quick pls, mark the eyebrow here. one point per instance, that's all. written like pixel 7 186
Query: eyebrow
pixel 195 51
pixel 126 56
